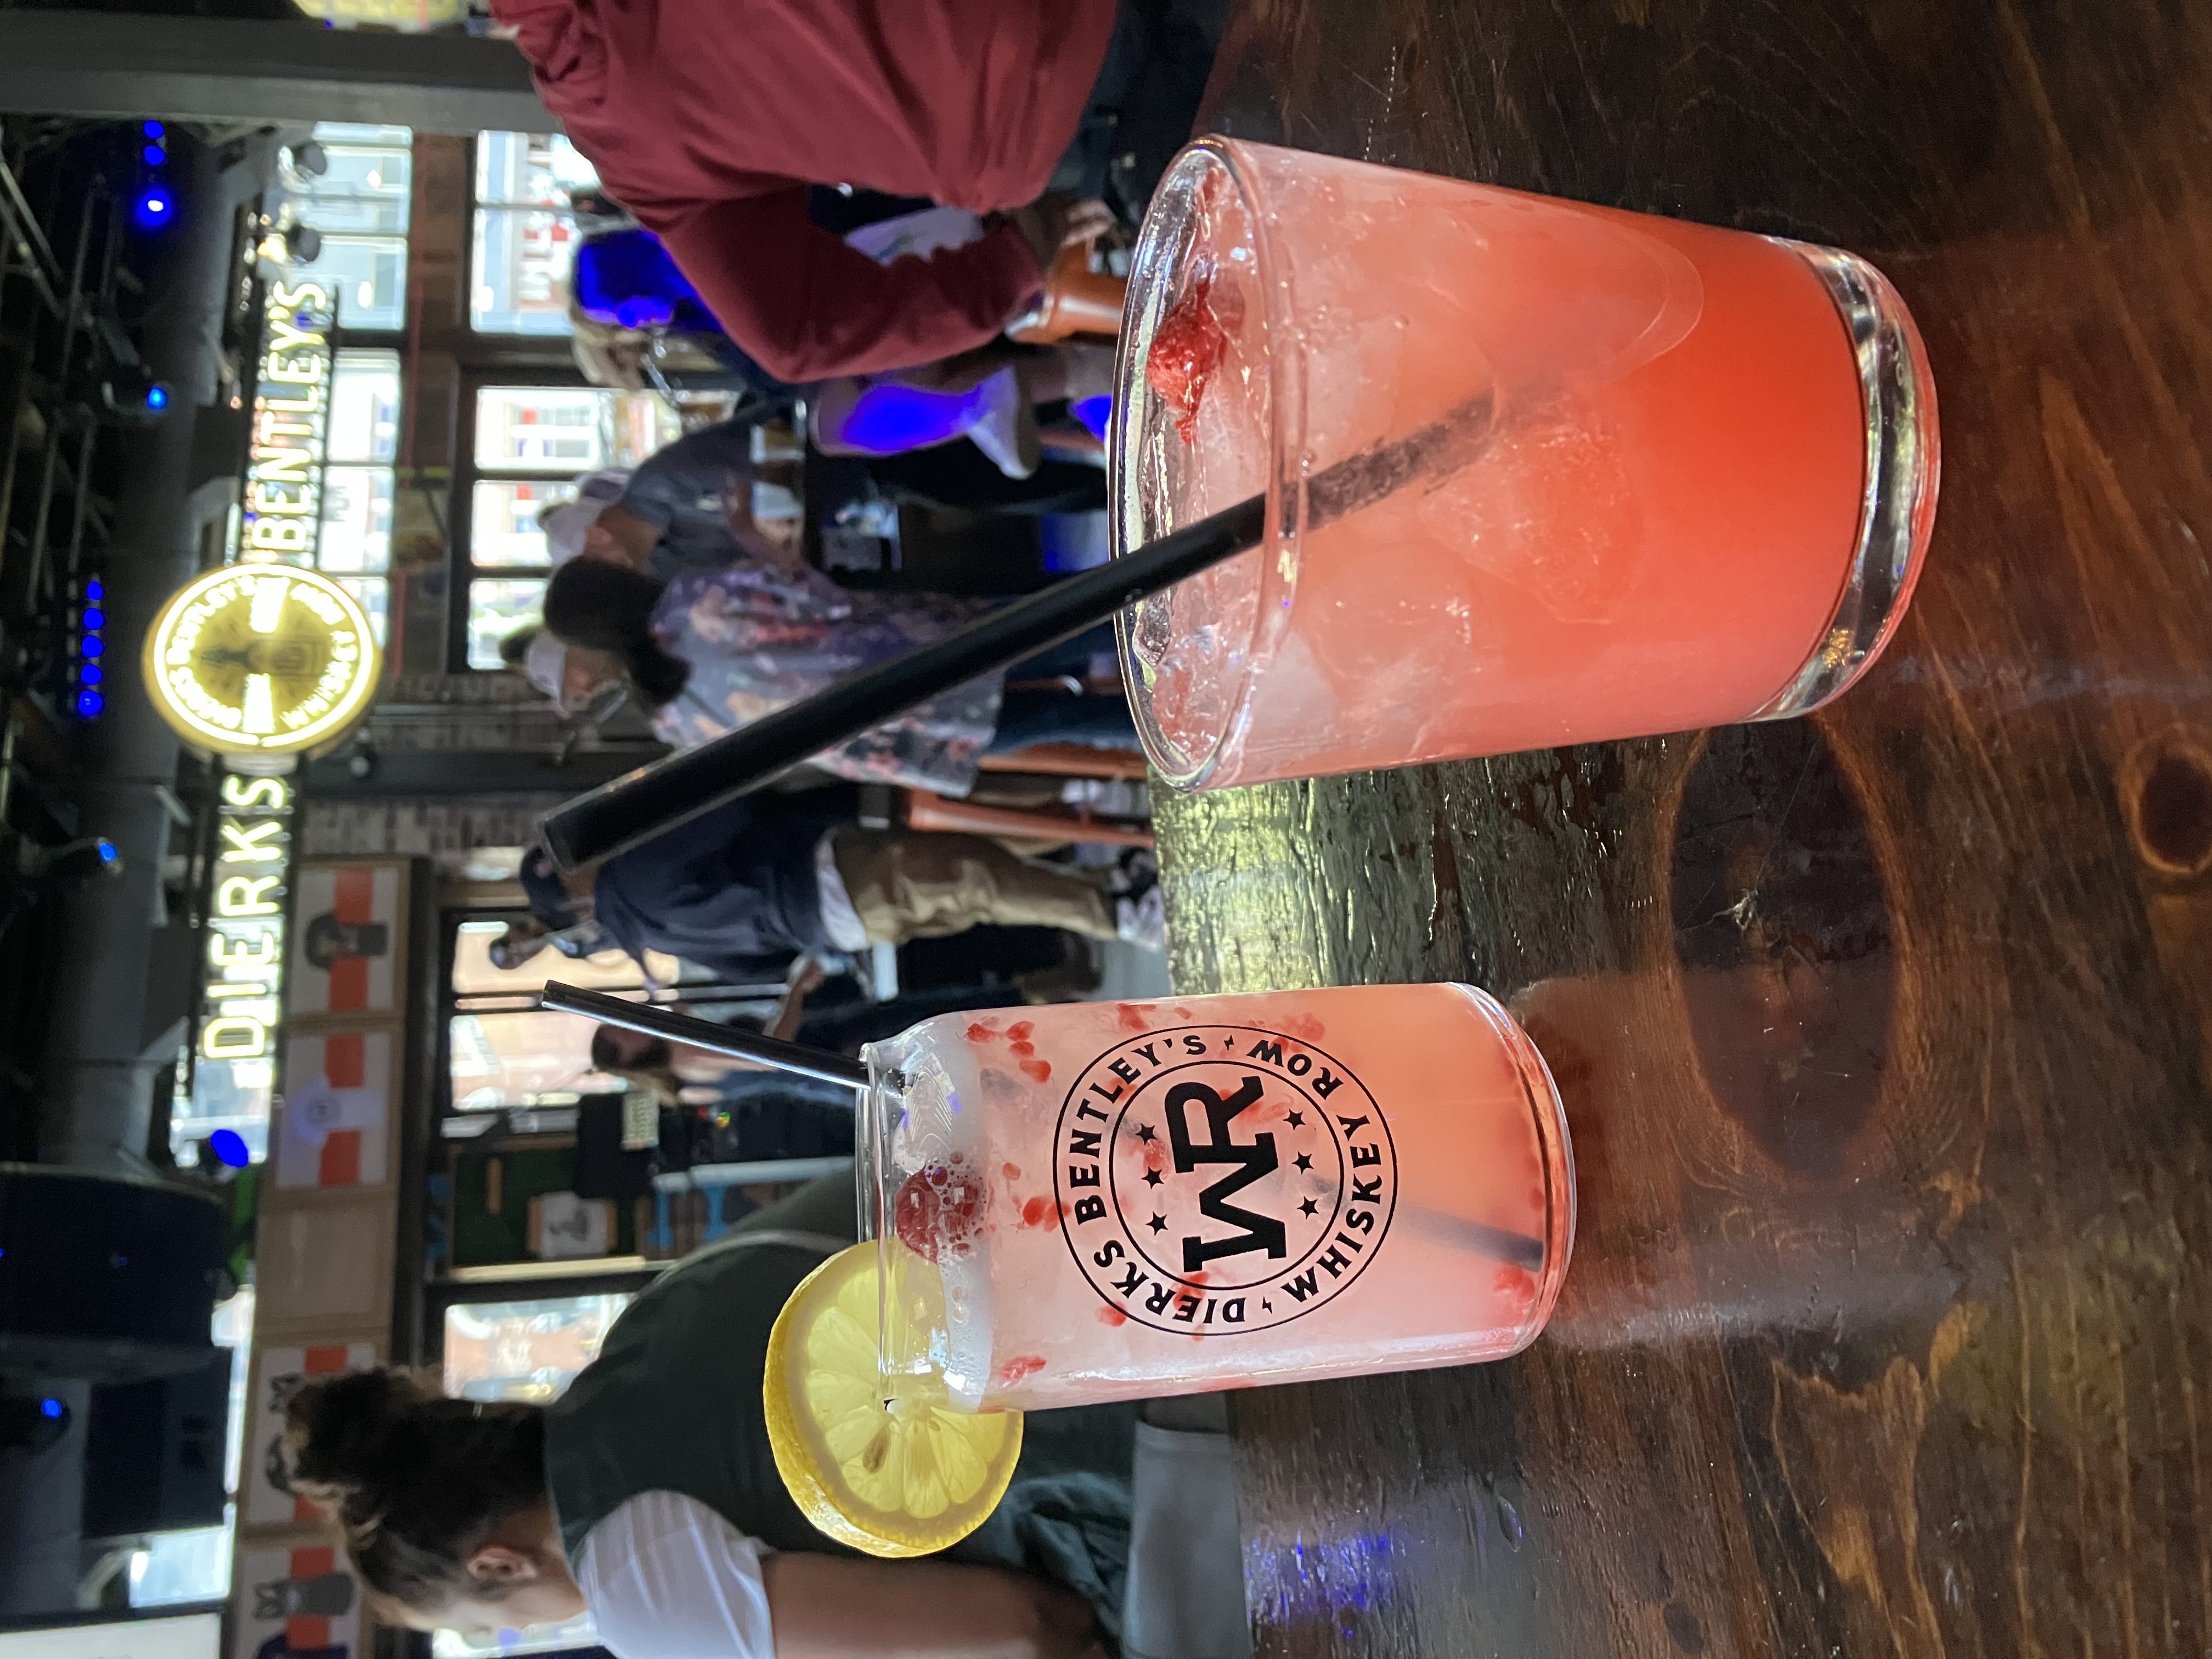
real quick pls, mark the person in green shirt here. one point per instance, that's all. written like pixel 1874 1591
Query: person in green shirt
pixel 649 1495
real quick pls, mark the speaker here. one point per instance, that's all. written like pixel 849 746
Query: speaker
pixel 154 1452
pixel 111 1278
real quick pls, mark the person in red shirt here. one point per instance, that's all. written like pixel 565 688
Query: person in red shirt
pixel 708 120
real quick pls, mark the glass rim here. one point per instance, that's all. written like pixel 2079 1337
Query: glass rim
pixel 1902 480
pixel 1547 1108
pixel 1162 251
pixel 877 1110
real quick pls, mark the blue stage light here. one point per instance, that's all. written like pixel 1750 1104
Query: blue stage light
pixel 1093 413
pixel 154 129
pixel 91 646
pixel 888 419
pixel 157 397
pixel 89 673
pixel 95 619
pixel 155 208
pixel 229 1146
pixel 156 155
pixel 89 703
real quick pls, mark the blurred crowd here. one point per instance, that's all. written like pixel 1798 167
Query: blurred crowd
pixel 905 325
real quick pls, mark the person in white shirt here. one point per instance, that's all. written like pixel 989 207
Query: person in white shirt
pixel 647 1495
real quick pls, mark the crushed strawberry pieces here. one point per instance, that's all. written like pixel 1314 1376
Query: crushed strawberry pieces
pixel 939 1210
pixel 1186 349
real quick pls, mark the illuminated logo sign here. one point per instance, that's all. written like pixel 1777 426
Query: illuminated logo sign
pixel 261 658
pixel 283 511
pixel 1221 1179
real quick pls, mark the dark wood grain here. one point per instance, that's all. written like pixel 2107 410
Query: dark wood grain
pixel 1886 1037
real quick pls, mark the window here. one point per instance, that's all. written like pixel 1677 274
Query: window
pixel 532 441
pixel 505 519
pixel 523 1350
pixel 401 16
pixel 567 430
pixel 356 480
pixel 475 975
pixel 359 481
pixel 496 609
pixel 526 235
pixel 359 204
pixel 505 1053
pixel 522 1057
pixel 193 1564
pixel 579 1634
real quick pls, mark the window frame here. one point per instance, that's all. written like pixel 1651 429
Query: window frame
pixel 463 570
pixel 477 207
pixel 684 994
pixel 387 344
pixel 402 236
pixel 445 1286
pixel 347 336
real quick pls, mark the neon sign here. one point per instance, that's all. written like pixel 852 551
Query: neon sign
pixel 246 925
pixel 260 658
pixel 284 515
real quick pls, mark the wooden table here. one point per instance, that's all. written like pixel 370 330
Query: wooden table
pixel 1886 1037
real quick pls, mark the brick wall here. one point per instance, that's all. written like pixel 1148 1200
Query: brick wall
pixel 419 827
pixel 534 726
pixel 460 690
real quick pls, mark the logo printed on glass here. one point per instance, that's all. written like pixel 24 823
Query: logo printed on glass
pixel 1221 1178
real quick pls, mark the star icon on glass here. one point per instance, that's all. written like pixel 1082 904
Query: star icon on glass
pixel 1158 1224
pixel 1144 1133
pixel 1298 1120
pixel 1151 1177
pixel 1303 1161
pixel 1306 1206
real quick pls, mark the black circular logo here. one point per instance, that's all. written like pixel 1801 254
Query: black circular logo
pixel 1221 1178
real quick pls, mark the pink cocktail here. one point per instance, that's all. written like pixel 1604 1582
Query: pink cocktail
pixel 1098 1201
pixel 1643 476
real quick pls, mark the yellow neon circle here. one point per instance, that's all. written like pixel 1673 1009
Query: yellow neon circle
pixel 260 658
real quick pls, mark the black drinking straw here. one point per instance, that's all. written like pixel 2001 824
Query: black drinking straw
pixel 704 1034
pixel 640 805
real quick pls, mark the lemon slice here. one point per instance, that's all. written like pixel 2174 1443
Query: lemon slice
pixel 900 1479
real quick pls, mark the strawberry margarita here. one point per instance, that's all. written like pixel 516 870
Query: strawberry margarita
pixel 1097 1201
pixel 1612 475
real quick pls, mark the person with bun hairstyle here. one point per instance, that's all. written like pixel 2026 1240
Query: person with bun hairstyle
pixel 709 651
pixel 648 1495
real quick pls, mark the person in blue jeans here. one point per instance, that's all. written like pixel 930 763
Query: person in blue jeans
pixel 1047 699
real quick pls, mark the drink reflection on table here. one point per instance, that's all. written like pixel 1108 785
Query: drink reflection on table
pixel 1677 1091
